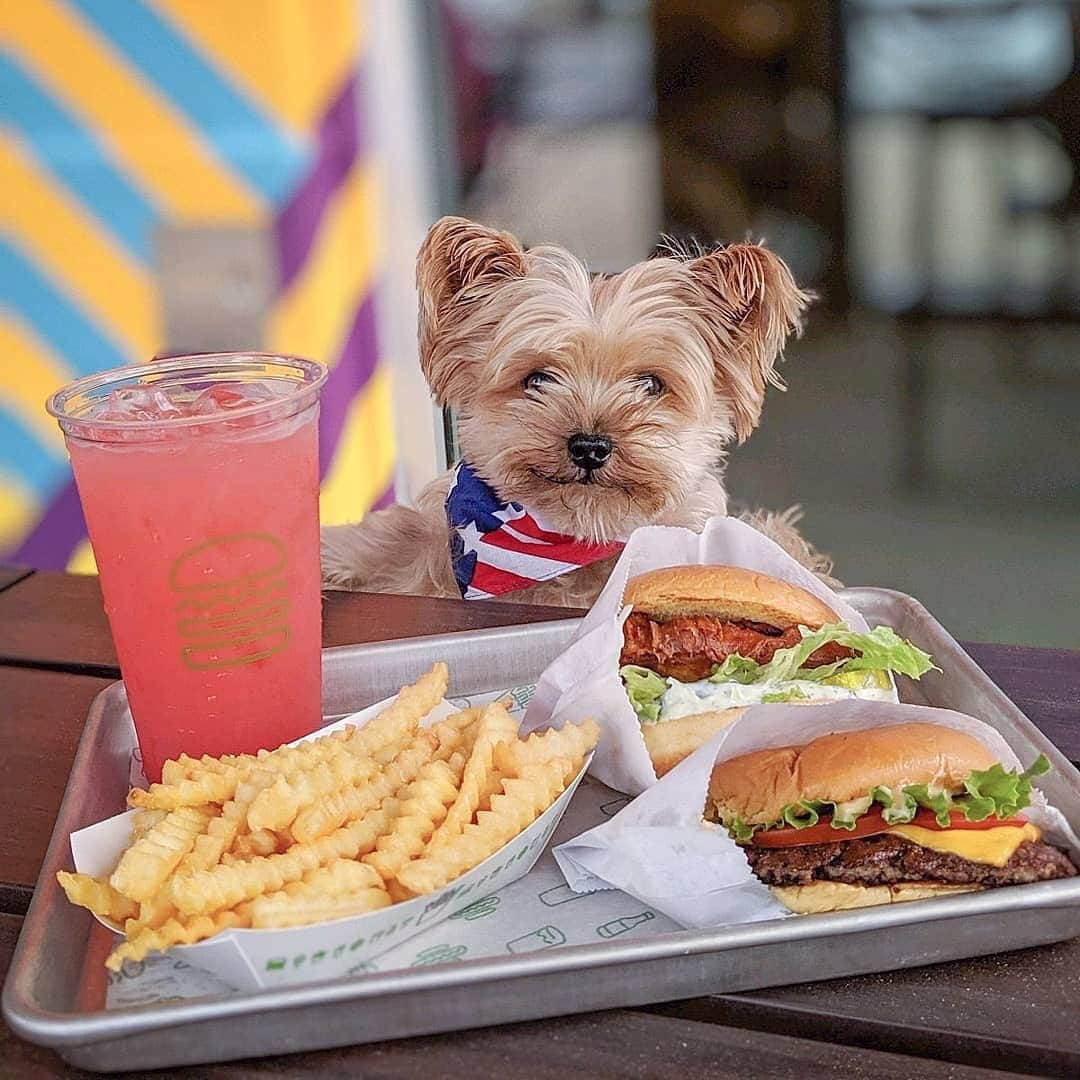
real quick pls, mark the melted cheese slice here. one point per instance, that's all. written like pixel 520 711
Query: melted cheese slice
pixel 995 847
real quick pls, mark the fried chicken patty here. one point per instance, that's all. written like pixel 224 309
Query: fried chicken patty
pixel 689 646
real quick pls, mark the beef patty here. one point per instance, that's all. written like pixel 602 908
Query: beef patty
pixel 689 646
pixel 887 859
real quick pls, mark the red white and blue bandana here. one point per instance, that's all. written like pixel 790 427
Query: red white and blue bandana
pixel 498 547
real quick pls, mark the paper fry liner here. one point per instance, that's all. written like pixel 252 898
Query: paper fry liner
pixel 249 959
pixel 661 851
pixel 584 680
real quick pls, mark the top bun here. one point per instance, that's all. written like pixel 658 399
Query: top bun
pixel 730 592
pixel 842 766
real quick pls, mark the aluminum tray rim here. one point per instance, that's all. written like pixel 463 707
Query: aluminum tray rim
pixel 60 1029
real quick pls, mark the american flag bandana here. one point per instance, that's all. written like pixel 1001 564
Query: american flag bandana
pixel 497 547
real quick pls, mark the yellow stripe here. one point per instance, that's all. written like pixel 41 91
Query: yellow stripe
pixel 147 135
pixel 33 373
pixel 17 512
pixel 314 316
pixel 291 57
pixel 74 250
pixel 364 463
pixel 82 559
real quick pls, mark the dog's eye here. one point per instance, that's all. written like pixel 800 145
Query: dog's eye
pixel 536 379
pixel 651 384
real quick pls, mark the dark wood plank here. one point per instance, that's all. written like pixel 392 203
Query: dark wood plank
pixel 1044 683
pixel 1017 1010
pixel 57 620
pixel 53 619
pixel 10 574
pixel 40 722
pixel 350 618
pixel 611 1044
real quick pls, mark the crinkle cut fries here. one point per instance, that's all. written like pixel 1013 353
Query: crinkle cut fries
pixel 343 824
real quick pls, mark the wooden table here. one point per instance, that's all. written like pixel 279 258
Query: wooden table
pixel 1014 1011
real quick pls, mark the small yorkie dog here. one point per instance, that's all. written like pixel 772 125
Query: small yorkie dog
pixel 587 406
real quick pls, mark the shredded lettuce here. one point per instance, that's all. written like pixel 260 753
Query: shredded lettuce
pixel 644 688
pixel 882 649
pixel 995 791
pixel 738 669
pixel 846 814
pixel 879 651
pixel 794 694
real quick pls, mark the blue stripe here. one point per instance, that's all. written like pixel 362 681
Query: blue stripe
pixel 244 137
pixel 76 158
pixel 23 454
pixel 56 318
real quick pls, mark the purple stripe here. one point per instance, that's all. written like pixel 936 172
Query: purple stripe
pixel 57 533
pixel 338 145
pixel 347 378
pixel 385 499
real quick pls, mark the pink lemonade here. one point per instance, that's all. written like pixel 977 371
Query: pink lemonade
pixel 201 501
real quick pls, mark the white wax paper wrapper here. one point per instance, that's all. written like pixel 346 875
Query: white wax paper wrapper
pixel 584 680
pixel 660 850
pixel 251 959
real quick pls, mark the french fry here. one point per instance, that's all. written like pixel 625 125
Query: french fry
pixel 97 896
pixel 175 932
pixel 378 742
pixel 153 914
pixel 571 742
pixel 147 864
pixel 424 804
pixel 342 887
pixel 222 831
pixel 523 800
pixel 255 843
pixel 304 910
pixel 496 725
pixel 144 821
pixel 351 802
pixel 227 886
pixel 208 788
pixel 278 805
pixel 400 718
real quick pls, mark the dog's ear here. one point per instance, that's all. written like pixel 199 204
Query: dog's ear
pixel 459 264
pixel 750 304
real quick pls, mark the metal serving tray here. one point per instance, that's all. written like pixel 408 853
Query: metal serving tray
pixel 55 991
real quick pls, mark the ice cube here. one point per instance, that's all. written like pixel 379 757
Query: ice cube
pixel 227 397
pixel 128 403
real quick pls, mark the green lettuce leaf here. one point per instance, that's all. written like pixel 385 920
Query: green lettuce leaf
pixel 794 694
pixel 845 815
pixel 882 649
pixel 995 791
pixel 644 688
pixel 737 669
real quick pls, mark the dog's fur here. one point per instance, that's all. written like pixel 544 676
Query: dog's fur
pixel 710 326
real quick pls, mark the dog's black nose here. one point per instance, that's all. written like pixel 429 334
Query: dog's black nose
pixel 588 451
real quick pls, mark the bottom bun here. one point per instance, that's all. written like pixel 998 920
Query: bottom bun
pixel 669 741
pixel 836 896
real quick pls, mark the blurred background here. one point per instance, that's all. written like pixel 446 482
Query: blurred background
pixel 185 175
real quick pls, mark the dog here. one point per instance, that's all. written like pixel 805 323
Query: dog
pixel 587 405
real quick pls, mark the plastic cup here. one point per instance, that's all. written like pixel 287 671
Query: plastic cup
pixel 199 480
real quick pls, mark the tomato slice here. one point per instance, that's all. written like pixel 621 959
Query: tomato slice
pixel 870 824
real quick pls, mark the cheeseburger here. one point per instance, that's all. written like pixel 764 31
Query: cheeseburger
pixel 904 812
pixel 704 642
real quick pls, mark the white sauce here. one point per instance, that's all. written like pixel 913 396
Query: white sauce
pixel 686 699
